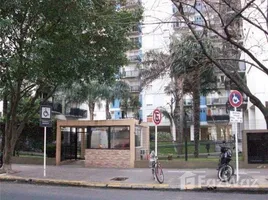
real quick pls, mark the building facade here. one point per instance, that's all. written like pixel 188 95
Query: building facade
pixel 256 41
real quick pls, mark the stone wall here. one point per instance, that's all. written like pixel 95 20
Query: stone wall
pixel 108 158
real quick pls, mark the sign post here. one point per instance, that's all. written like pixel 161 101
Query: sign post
pixel 45 121
pixel 157 117
pixel 236 100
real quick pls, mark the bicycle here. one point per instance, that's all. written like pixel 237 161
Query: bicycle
pixel 157 170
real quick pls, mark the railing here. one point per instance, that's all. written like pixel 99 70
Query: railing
pixel 218 118
pixel 131 74
pixel 216 101
pixel 135 58
pixel 135 88
pixel 77 112
pixel 131 3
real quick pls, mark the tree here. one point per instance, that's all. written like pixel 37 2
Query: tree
pixel 192 73
pixel 130 103
pixel 196 72
pixel 115 90
pixel 47 43
pixel 222 21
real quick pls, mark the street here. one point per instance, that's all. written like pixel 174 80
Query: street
pixel 10 191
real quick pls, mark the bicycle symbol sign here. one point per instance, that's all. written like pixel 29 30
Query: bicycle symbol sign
pixel 157 117
pixel 235 98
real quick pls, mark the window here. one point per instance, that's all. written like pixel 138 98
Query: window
pixel 120 137
pixel 99 138
pixel 116 137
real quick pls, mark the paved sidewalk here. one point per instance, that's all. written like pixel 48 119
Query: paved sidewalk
pixel 251 180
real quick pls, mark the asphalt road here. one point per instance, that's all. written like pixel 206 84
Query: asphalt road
pixel 12 191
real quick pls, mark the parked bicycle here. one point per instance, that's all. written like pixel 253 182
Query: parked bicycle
pixel 225 170
pixel 157 170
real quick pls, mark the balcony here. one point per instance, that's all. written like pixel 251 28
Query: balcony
pixel 136 29
pixel 217 101
pixel 134 58
pixel 78 113
pixel 218 118
pixel 131 4
pixel 135 88
pixel 131 74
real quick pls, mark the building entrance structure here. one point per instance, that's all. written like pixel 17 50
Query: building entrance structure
pixel 255 146
pixel 102 143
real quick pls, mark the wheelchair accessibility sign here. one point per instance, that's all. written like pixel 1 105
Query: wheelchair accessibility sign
pixel 45 116
pixel 235 98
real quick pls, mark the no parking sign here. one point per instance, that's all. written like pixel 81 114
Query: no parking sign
pixel 235 98
pixel 157 117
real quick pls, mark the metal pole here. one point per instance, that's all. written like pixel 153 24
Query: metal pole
pixel 185 138
pixel 45 149
pixel 236 151
pixel 155 147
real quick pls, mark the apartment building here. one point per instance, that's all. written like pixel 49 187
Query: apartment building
pixel 131 72
pixel 214 108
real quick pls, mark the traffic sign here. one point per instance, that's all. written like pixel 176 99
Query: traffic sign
pixel 45 116
pixel 235 98
pixel 45 112
pixel 157 117
pixel 236 117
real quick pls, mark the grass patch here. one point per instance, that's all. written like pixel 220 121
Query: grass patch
pixel 168 148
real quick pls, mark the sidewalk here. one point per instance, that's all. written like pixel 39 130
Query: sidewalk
pixel 251 180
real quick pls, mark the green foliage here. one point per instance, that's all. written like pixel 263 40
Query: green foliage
pixel 47 44
pixel 167 148
pixel 51 150
pixel 188 57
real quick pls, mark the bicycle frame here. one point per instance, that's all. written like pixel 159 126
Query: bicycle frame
pixel 157 170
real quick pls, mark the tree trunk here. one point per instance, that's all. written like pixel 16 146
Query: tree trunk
pixel 266 119
pixel 196 112
pixel 4 125
pixel 12 133
pixel 91 107
pixel 107 110
pixel 177 112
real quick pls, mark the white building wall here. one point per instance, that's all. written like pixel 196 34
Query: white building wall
pixel 256 41
pixel 99 113
pixel 156 36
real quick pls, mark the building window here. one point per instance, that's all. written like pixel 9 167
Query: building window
pixel 115 137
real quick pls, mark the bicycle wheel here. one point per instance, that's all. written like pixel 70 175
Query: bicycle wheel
pixel 159 173
pixel 153 169
pixel 225 173
pixel 231 168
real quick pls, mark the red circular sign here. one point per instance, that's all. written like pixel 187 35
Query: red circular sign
pixel 235 98
pixel 157 117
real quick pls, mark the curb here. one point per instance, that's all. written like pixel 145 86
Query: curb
pixel 137 186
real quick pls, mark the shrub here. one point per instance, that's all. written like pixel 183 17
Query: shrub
pixel 51 150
